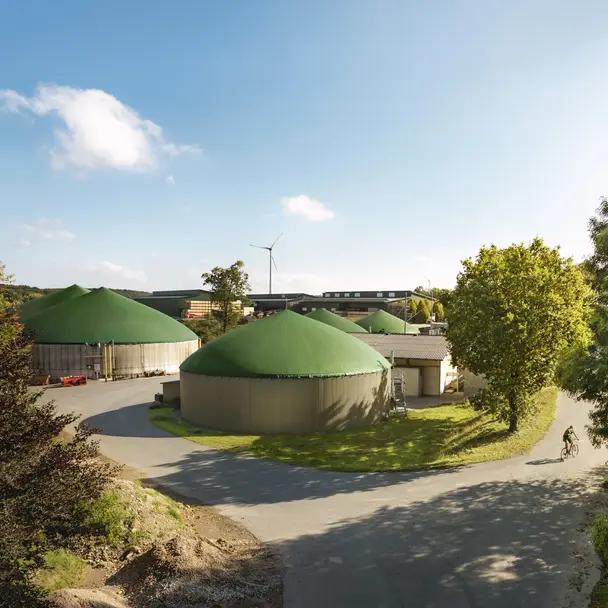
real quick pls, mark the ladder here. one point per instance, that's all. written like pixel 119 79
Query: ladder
pixel 399 406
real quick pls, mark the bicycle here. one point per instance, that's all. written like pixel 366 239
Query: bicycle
pixel 573 451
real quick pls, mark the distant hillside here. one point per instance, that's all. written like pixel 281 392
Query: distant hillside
pixel 22 293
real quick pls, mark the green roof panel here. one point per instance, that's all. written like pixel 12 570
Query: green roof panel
pixel 326 316
pixel 285 345
pixel 33 307
pixel 103 316
pixel 381 322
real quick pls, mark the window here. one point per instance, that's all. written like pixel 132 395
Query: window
pixel 336 295
pixel 379 294
pixel 391 294
pixel 357 295
pixel 346 294
pixel 314 309
pixel 304 309
pixel 326 295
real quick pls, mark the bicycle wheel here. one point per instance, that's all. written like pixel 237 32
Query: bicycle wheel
pixel 574 450
pixel 564 454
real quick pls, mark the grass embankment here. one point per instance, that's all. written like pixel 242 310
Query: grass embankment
pixel 127 517
pixel 599 537
pixel 444 436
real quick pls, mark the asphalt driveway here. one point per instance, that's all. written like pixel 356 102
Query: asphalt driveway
pixel 502 534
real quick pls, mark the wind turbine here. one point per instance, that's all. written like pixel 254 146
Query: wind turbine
pixel 270 260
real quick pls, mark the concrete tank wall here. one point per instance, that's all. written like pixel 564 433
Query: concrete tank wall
pixel 284 405
pixel 129 360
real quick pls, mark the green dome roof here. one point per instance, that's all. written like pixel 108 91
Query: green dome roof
pixel 285 345
pixel 103 316
pixel 381 322
pixel 330 318
pixel 33 307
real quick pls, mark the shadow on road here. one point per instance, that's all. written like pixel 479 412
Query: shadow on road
pixel 545 461
pixel 499 544
pixel 222 477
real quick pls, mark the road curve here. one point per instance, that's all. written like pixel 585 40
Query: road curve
pixel 498 534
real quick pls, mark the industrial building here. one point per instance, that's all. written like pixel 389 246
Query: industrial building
pixel 423 361
pixel 33 307
pixel 284 374
pixel 186 304
pixel 381 322
pixel 325 316
pixel 103 334
pixel 345 303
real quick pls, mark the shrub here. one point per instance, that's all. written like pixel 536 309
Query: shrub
pixel 110 516
pixel 599 536
pixel 61 569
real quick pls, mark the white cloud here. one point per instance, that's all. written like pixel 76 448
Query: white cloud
pixel 170 180
pixel 50 230
pixel 111 270
pixel 24 243
pixel 306 207
pixel 98 131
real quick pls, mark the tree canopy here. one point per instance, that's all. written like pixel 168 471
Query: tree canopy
pixel 512 314
pixel 583 372
pixel 47 485
pixel 228 285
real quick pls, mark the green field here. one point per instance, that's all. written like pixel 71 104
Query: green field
pixel 444 436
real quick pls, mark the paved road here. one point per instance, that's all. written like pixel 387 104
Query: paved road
pixel 495 534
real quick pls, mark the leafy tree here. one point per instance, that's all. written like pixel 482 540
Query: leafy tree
pixel 413 308
pixel 206 329
pixel 443 296
pixel 584 370
pixel 47 485
pixel 512 314
pixel 423 312
pixel 438 310
pixel 228 285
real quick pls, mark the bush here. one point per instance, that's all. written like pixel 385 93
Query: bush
pixel 61 569
pixel 110 516
pixel 599 536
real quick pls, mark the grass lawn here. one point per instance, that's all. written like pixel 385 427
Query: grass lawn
pixel 444 436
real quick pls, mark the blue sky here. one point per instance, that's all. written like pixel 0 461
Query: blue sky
pixel 142 143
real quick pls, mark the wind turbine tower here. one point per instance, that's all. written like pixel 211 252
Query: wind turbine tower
pixel 270 260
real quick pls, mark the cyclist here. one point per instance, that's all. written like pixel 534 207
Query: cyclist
pixel 567 438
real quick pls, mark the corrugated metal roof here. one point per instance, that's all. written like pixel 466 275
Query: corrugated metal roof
pixel 432 348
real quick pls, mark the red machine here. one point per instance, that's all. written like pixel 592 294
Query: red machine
pixel 73 380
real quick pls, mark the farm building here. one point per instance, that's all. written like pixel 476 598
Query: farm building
pixel 187 304
pixel 325 316
pixel 284 374
pixel 423 361
pixel 382 322
pixel 103 334
pixel 33 307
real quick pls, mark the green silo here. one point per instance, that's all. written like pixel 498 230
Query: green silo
pixel 382 322
pixel 102 333
pixel 284 374
pixel 330 318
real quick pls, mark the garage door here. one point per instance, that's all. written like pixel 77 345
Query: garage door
pixel 431 380
pixel 411 379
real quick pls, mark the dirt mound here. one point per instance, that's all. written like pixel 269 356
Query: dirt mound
pixel 86 598
pixel 194 571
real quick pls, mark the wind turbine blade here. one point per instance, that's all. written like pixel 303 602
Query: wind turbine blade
pixel 280 235
pixel 275 264
pixel 258 246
